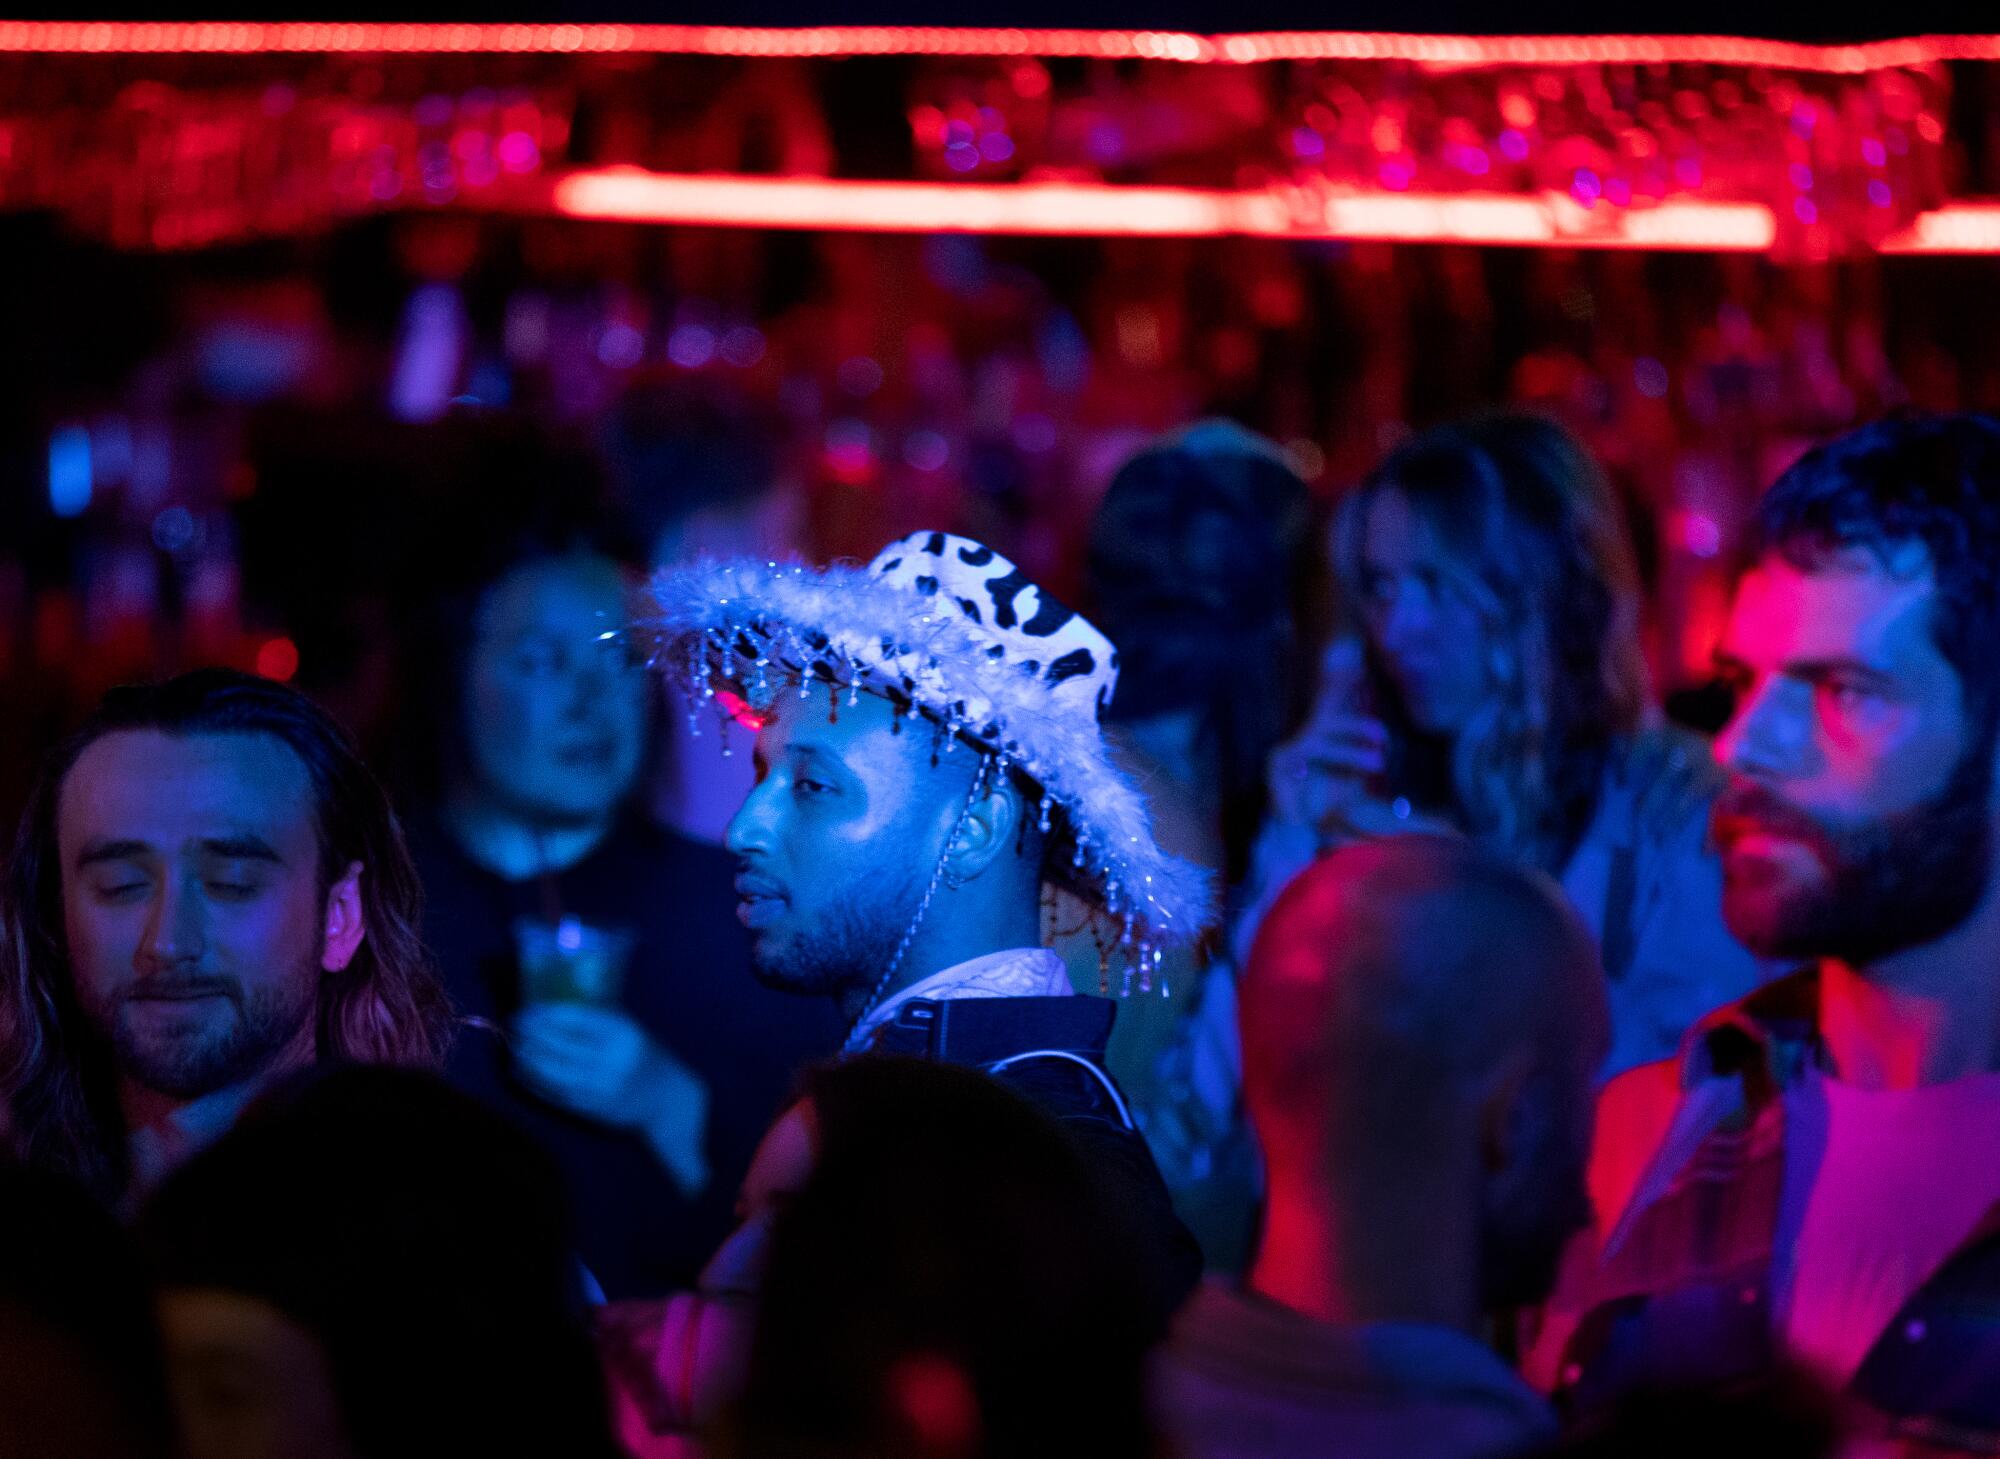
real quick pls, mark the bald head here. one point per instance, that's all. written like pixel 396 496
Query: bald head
pixel 1421 1024
pixel 1398 978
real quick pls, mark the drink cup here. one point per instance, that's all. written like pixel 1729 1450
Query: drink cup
pixel 571 961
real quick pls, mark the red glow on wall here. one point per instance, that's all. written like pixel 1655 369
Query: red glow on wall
pixel 1709 143
pixel 278 658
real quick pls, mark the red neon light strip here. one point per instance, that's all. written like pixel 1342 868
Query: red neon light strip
pixel 1957 228
pixel 119 37
pixel 229 38
pixel 1637 50
pixel 1098 210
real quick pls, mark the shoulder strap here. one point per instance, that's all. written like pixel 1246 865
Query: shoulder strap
pixel 1104 1079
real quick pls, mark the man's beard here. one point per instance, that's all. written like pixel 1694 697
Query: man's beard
pixel 209 1057
pixel 847 947
pixel 1886 885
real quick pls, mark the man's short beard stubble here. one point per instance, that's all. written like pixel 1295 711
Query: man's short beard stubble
pixel 848 946
pixel 268 1019
pixel 1888 885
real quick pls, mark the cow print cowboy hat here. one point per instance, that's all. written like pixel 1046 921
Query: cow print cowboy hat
pixel 949 629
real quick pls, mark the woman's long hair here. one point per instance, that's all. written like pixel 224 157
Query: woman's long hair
pixel 1198 560
pixel 56 1075
pixel 1543 555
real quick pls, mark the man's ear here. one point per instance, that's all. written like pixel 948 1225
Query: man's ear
pixel 988 830
pixel 1502 1110
pixel 344 925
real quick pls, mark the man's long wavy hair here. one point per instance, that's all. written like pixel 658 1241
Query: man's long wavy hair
pixel 57 1080
pixel 1542 553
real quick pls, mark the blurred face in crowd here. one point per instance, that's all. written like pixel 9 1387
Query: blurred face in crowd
pixel 1425 631
pixel 1858 820
pixel 838 840
pixel 248 1381
pixel 777 1172
pixel 197 922
pixel 555 711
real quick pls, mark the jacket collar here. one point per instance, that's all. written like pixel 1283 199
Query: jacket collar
pixel 981 1031
pixel 1764 1040
pixel 1017 972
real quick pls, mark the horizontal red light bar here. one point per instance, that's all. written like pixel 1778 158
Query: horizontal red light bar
pixel 1956 228
pixel 109 37
pixel 233 38
pixel 1446 51
pixel 1099 210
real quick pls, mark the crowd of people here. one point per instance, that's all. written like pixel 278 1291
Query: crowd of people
pixel 783 1009
pixel 252 441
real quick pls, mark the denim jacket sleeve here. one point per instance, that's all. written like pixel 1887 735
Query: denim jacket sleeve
pixel 1649 884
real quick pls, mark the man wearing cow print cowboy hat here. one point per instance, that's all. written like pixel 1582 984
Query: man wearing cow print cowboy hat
pixel 929 762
